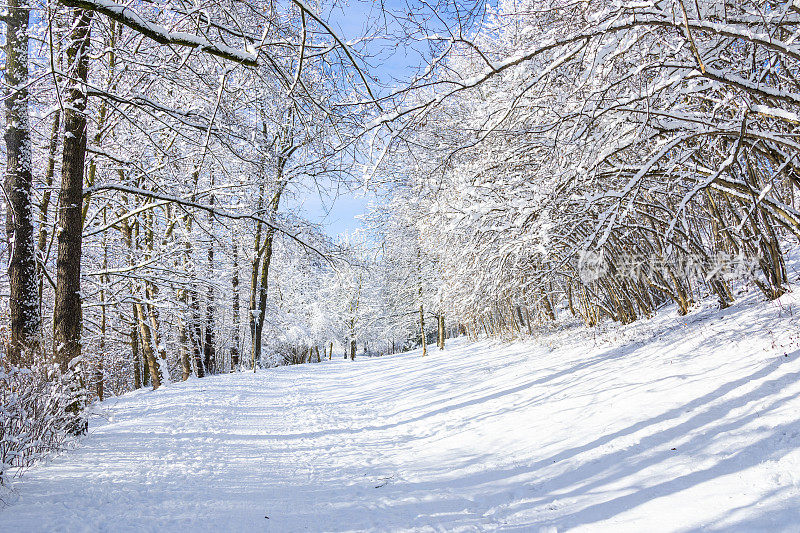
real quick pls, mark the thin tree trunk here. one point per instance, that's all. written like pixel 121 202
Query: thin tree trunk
pixel 209 350
pixel 266 259
pixel 98 376
pixel 260 313
pixel 23 302
pixel 102 113
pixel 197 336
pixel 194 329
pixel 183 337
pixel 147 345
pixel 422 328
pixel 153 312
pixel 548 308
pixel 134 340
pixel 255 274
pixel 528 320
pixel 235 304
pixel 128 228
pixel 43 248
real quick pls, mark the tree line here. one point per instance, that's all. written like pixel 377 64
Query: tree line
pixel 591 159
pixel 602 159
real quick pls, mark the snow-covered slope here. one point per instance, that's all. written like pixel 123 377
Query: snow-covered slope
pixel 670 424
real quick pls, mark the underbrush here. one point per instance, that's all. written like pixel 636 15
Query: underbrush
pixel 37 415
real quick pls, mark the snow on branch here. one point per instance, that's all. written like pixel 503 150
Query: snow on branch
pixel 214 211
pixel 130 18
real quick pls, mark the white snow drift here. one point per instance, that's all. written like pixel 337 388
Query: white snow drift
pixel 671 424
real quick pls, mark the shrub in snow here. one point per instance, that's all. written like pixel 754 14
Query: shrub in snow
pixel 37 414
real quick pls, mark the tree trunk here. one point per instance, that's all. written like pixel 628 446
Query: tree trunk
pixel 422 328
pixel 528 320
pixel 520 318
pixel 134 340
pixel 440 322
pixel 67 318
pixel 42 249
pixel 193 327
pixel 266 259
pixel 255 273
pixel 197 336
pixel 183 337
pixel 147 345
pixel 128 236
pixel 209 350
pixel 99 376
pixel 235 304
pixel 261 310
pixel 548 308
pixel 23 302
pixel 421 310
pixel 157 346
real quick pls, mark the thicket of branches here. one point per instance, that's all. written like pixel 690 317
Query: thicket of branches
pixel 607 157
pixel 599 157
pixel 151 151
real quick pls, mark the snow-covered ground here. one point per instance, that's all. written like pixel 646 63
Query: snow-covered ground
pixel 669 424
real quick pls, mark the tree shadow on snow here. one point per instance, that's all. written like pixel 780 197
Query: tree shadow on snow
pixel 559 499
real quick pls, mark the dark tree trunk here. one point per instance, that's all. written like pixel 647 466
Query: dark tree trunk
pixel 266 259
pixel 422 328
pixel 67 318
pixel 254 279
pixel 24 300
pixel 235 303
pixel 209 350
pixel 352 349
pixel 193 326
pixel 143 359
pixel 262 296
pixel 198 334
pixel 128 235
pixel 134 339
pixel 209 353
pixel 528 320
pixel 520 319
pixel 183 336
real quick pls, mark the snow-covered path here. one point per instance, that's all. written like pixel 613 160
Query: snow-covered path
pixel 670 424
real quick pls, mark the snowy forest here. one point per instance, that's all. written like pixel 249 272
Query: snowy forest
pixel 523 164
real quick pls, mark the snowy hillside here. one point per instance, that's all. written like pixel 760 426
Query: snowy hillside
pixel 671 424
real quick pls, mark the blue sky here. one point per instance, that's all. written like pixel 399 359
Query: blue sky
pixel 389 64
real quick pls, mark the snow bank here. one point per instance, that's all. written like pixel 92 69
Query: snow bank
pixel 671 424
